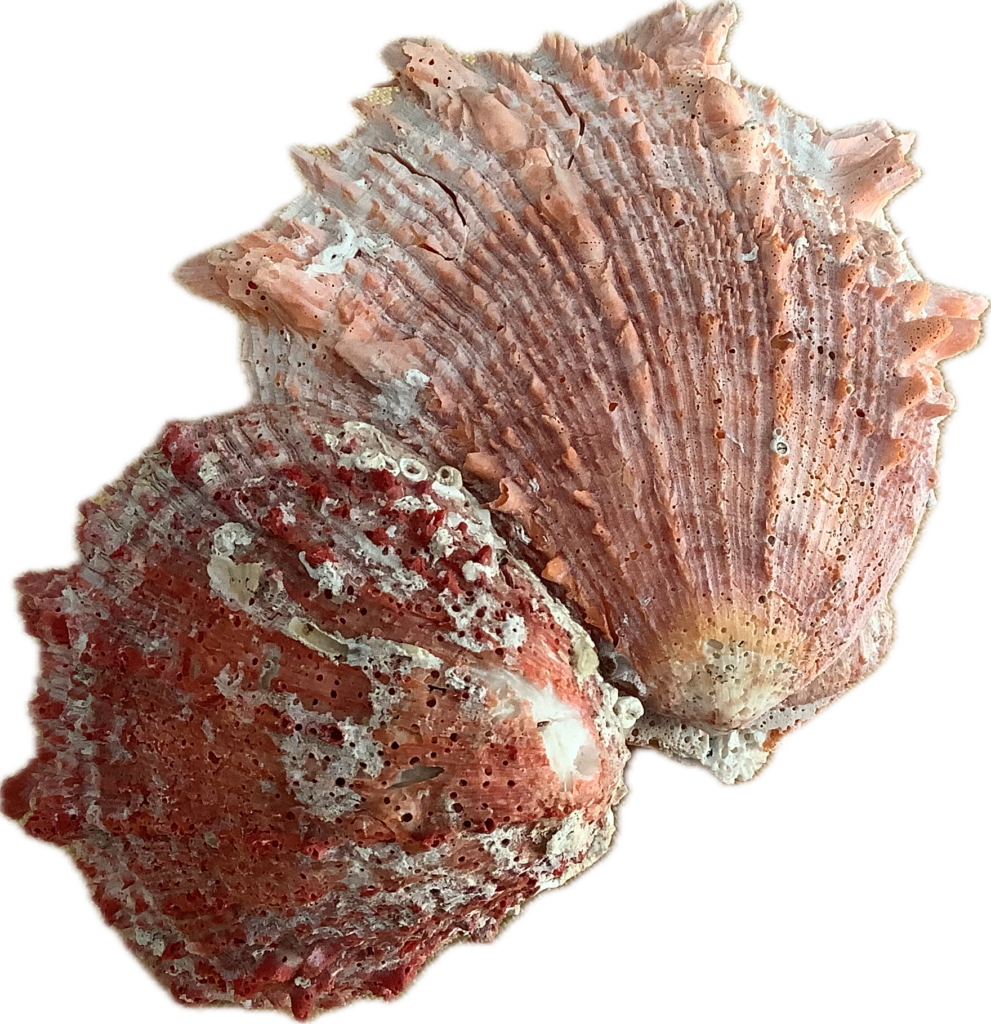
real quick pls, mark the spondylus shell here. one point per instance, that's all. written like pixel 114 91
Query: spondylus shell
pixel 660 322
pixel 182 772
pixel 303 721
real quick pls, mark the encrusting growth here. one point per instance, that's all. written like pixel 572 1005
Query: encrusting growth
pixel 595 403
pixel 303 719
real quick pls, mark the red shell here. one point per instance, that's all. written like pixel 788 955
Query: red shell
pixel 303 720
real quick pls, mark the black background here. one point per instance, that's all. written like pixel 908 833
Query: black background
pixel 846 878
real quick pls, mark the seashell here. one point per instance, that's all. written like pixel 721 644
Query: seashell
pixel 586 285
pixel 304 720
pixel 659 322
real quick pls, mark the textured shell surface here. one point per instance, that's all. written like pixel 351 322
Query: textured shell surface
pixel 865 840
pixel 660 321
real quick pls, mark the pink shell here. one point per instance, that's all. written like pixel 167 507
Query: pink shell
pixel 661 324
pixel 670 733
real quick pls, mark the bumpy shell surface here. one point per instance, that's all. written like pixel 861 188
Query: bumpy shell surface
pixel 303 720
pixel 661 324
pixel 302 711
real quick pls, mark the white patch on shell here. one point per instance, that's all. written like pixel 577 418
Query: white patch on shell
pixel 327 574
pixel 513 631
pixel 469 643
pixel 333 258
pixel 441 543
pixel 151 940
pixel 509 631
pixel 366 652
pixel 732 756
pixel 569 745
pixel 369 459
pixel 575 846
pixel 474 571
pixel 628 711
pixel 503 844
pixel 228 684
pixel 208 471
pixel 396 400
pixel 228 537
pixel 387 569
pixel 312 767
pixel 474 693
pixel 235 582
